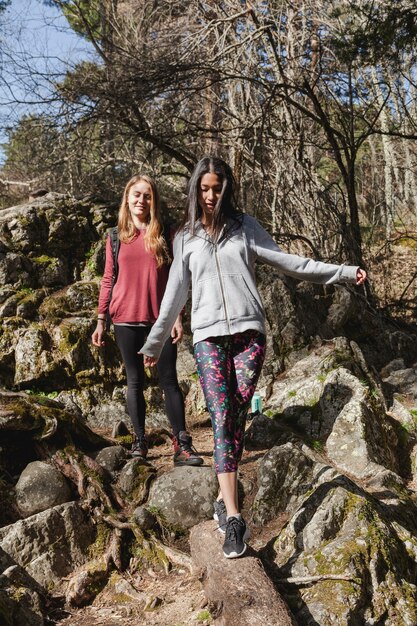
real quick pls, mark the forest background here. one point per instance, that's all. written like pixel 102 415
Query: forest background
pixel 312 102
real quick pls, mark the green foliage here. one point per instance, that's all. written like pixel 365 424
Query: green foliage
pixel 371 31
pixel 89 260
pixel 317 445
pixel 30 149
pixel 84 16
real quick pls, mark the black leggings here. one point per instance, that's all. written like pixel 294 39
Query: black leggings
pixel 130 340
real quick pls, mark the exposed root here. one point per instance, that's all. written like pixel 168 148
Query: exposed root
pixel 305 580
pixel 176 557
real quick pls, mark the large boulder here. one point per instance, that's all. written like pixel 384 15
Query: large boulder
pixel 112 458
pixel 51 544
pixel 362 437
pixel 357 555
pixel 285 474
pixel 78 298
pixel 184 495
pixel 331 398
pixel 40 487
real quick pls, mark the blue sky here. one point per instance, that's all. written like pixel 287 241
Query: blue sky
pixel 35 42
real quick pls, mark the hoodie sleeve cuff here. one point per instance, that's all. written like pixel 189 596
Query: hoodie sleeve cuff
pixel 349 273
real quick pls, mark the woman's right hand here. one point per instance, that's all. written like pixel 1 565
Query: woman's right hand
pixel 149 361
pixel 97 336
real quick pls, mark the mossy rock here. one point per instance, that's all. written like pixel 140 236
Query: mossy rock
pixel 135 479
pixel 341 531
pixel 80 298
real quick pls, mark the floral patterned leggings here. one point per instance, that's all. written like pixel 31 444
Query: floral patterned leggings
pixel 229 368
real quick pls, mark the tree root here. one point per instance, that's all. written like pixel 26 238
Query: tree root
pixel 176 557
pixel 305 580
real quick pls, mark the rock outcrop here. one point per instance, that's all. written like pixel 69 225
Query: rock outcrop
pixel 332 498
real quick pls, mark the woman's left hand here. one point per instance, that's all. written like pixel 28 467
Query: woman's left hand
pixel 177 331
pixel 360 276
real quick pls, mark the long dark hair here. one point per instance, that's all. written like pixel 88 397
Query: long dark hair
pixel 226 206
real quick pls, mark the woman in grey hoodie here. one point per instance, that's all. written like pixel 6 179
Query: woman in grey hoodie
pixel 215 251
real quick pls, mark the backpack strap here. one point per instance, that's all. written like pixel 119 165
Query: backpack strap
pixel 115 246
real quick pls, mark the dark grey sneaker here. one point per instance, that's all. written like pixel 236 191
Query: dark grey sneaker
pixel 236 535
pixel 220 515
pixel 140 447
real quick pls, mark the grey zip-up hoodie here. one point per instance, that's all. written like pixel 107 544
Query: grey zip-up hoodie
pixel 225 299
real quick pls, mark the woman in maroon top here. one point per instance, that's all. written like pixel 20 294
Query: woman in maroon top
pixel 143 267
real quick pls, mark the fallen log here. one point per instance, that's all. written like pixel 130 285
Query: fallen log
pixel 238 591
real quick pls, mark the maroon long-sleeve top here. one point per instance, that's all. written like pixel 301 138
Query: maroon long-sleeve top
pixel 140 284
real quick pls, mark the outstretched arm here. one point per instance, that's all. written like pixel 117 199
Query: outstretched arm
pixel 301 267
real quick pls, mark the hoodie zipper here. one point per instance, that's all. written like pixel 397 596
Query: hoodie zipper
pixel 219 273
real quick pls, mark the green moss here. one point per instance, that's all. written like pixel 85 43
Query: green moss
pixel 89 261
pixel 121 598
pixel 125 439
pixel 40 395
pixel 203 616
pixel 44 260
pixel 405 433
pixel 144 473
pixel 69 338
pixel 164 524
pixel 24 411
pixel 97 573
pixel 86 378
pixel 17 593
pixel 146 554
pixel 408 242
pixel 103 534
pixel 326 592
pixel 292 393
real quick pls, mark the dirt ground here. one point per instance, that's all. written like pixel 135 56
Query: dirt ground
pixel 175 598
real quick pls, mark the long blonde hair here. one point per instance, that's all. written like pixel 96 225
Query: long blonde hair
pixel 154 239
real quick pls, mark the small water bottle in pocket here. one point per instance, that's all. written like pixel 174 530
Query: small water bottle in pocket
pixel 256 405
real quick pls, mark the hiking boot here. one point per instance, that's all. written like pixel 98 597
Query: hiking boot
pixel 184 453
pixel 140 447
pixel 220 515
pixel 236 534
